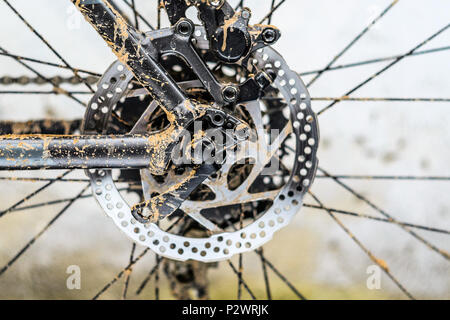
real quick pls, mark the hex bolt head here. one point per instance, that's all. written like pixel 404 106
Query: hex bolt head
pixel 246 13
pixel 218 120
pixel 242 134
pixel 230 94
pixel 184 28
pixel 269 35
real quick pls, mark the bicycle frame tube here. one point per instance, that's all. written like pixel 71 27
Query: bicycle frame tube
pixel 85 152
pixel 133 50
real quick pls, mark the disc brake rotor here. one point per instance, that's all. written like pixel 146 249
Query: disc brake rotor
pixel 283 198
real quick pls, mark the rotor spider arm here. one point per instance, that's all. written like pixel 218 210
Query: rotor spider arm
pixel 165 204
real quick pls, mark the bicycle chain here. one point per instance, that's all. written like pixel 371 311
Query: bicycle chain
pixel 56 80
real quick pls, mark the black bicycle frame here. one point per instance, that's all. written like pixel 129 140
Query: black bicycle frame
pixel 133 50
pixel 81 152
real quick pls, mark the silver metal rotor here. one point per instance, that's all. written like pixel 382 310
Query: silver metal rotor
pixel 302 127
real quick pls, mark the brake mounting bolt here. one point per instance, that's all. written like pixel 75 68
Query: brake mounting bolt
pixel 184 27
pixel 269 35
pixel 246 13
pixel 230 94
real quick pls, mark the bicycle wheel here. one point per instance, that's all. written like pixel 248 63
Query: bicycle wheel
pixel 95 121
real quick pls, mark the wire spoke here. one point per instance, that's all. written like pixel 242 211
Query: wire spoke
pixel 442 252
pixel 131 264
pixel 272 11
pixel 75 72
pixel 158 263
pixel 272 6
pixel 120 11
pixel 158 18
pixel 370 177
pixel 266 276
pixel 121 273
pixel 240 265
pixel 263 262
pixel 56 65
pixel 56 92
pixel 64 61
pixel 136 19
pixel 347 98
pixel 360 215
pixel 42 179
pixel 139 15
pixel 371 61
pixel 240 270
pixel 148 278
pixel 379 262
pixel 128 274
pixel 38 235
pixel 55 86
pixel 241 280
pixel 390 65
pixel 365 99
pixel 280 275
pixel 354 40
pixel 272 267
pixel 156 267
pixel 28 197
pixel 37 179
pixel 238 273
pixel 239 5
pixel 49 203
